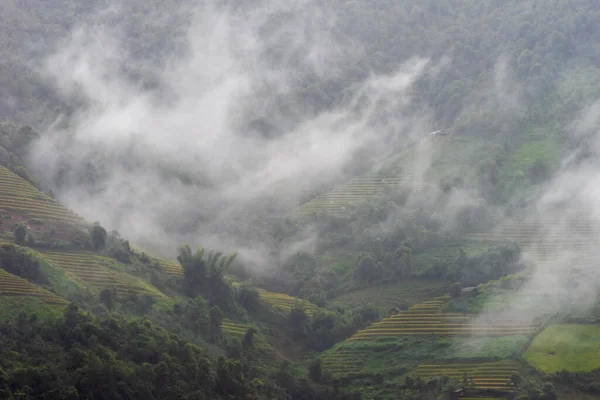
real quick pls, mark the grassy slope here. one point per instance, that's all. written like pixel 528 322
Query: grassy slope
pixel 11 306
pixel 575 348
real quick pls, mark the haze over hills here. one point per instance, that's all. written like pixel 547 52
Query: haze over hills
pixel 393 200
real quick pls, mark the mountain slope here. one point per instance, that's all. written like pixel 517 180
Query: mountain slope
pixel 46 218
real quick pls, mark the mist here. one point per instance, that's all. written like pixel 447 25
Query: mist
pixel 558 232
pixel 223 134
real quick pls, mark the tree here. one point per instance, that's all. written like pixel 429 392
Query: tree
pixel 366 270
pixel 298 320
pixel 248 340
pixel 216 319
pixel 515 379
pixel 20 233
pixel 108 296
pixel 549 391
pixel 456 289
pixel 98 234
pixel 402 261
pixel 248 297
pixel 204 275
pixel 315 370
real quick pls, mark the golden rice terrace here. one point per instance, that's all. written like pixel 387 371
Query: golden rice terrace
pixel 425 319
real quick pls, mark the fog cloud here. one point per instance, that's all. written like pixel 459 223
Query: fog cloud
pixel 559 234
pixel 224 133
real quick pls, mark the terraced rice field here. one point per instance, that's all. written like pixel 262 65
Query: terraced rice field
pixel 345 361
pixel 546 232
pixel 171 268
pixel 95 272
pixel 234 328
pixel 491 376
pixel 284 302
pixel 425 319
pixel 11 285
pixel 340 200
pixel 406 169
pixel 19 197
pixel 574 242
pixel 394 294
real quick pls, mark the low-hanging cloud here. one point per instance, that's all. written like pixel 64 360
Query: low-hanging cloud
pixel 223 135
pixel 559 234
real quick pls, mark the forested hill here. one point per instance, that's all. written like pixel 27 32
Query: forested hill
pixel 507 77
pixel 390 199
pixel 543 43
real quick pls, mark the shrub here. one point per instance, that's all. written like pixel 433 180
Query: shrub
pixel 98 234
pixel 20 233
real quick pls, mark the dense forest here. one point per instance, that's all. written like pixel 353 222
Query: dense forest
pixel 319 200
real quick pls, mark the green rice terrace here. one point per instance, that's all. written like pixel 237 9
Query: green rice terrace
pixel 14 286
pixel 425 319
pixel 284 302
pixel 419 166
pixel 170 268
pixel 234 328
pixel 495 376
pixel 99 272
pixel 542 234
pixel 338 201
pixel 393 295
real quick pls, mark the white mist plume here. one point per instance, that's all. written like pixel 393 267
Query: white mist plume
pixel 560 242
pixel 139 142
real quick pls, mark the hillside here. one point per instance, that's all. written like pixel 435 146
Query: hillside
pixel 52 268
pixel 310 200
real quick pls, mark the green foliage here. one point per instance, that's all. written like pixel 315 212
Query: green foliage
pixel 204 276
pixel 108 298
pixel 298 320
pixel 29 265
pixel 20 233
pixel 248 297
pixel 413 348
pixel 21 263
pixel 315 371
pixel 368 270
pixel 98 235
pixel 216 319
pixel 248 340
pixel 11 307
pixel 79 354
